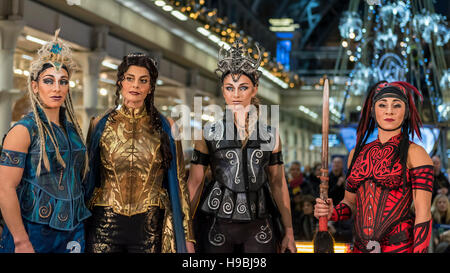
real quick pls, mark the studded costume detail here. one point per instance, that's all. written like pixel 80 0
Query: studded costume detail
pixel 383 200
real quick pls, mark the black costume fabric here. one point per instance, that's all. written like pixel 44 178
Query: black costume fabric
pixel 112 232
pixel 239 197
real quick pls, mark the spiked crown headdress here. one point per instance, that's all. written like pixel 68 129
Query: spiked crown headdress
pixel 237 61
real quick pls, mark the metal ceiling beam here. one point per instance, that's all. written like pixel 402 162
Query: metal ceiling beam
pixel 313 19
pixel 255 6
pixel 280 11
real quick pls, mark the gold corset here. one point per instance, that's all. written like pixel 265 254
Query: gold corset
pixel 131 164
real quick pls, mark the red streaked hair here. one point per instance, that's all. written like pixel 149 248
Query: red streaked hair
pixel 367 123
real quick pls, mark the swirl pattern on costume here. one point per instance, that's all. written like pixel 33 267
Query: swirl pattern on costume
pixel 264 235
pixel 258 154
pixel 214 237
pixel 234 160
pixel 376 161
pixel 214 131
pixel 44 211
pixel 63 217
pixel 241 208
pixel 213 200
pixel 12 158
pixel 228 205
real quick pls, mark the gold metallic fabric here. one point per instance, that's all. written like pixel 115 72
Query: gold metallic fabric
pixel 184 193
pixel 131 163
pixel 132 175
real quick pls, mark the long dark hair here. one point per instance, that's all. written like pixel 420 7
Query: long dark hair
pixel 155 117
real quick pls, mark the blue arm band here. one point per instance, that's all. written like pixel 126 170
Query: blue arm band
pixel 12 158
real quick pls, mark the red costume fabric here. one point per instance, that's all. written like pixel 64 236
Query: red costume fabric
pixel 383 220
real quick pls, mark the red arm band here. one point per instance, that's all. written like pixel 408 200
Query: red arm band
pixel 422 234
pixel 422 178
pixel 341 212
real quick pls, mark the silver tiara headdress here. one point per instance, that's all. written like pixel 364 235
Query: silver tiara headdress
pixel 56 53
pixel 237 61
pixel 139 55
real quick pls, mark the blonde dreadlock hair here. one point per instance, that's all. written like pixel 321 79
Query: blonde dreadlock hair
pixel 55 54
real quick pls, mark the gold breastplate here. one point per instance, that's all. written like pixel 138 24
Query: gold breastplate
pixel 131 163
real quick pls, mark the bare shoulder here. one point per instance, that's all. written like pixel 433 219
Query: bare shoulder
pixel 417 156
pixel 350 157
pixel 17 139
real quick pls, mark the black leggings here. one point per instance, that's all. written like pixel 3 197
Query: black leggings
pixel 109 232
pixel 224 236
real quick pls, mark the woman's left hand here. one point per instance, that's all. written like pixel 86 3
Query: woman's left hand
pixel 288 243
pixel 190 247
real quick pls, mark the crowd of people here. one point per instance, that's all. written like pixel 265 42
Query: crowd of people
pixel 440 208
pixel 304 188
pixel 303 184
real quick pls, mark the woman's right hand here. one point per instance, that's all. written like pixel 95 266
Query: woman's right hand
pixel 321 208
pixel 24 247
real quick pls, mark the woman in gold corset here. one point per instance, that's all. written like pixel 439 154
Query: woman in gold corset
pixel 137 187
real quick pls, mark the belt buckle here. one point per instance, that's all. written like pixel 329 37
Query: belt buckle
pixel 373 247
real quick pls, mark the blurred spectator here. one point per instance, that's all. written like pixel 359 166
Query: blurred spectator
pixel 314 180
pixel 440 210
pixel 337 180
pixel 441 183
pixel 296 181
pixel 307 222
pixel 296 212
pixel 307 171
pixel 444 245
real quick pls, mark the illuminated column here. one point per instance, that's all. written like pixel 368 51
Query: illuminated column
pixel 9 32
pixel 90 65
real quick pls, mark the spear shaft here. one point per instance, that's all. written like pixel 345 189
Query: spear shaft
pixel 323 241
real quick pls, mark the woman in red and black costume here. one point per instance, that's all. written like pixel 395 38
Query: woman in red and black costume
pixel 387 176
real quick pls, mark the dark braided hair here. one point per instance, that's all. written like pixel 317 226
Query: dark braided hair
pixel 142 60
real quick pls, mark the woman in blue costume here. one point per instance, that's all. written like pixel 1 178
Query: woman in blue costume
pixel 43 164
pixel 137 185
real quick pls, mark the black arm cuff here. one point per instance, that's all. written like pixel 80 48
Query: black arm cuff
pixel 276 159
pixel 200 158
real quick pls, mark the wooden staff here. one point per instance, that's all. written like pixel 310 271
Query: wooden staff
pixel 323 241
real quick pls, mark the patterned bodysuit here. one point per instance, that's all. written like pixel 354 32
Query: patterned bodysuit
pixel 383 220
